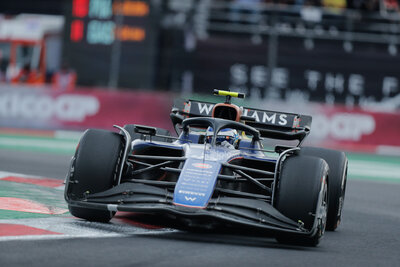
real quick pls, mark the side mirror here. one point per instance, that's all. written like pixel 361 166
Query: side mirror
pixel 141 129
pixel 176 121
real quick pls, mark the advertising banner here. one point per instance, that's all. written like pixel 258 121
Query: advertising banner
pixel 355 129
pixel 45 109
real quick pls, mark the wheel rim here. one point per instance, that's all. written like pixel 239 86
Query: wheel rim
pixel 341 198
pixel 323 209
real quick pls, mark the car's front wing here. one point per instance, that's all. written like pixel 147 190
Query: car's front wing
pixel 137 197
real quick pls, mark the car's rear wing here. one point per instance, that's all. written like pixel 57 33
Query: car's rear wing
pixel 271 124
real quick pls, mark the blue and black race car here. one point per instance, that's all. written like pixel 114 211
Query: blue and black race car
pixel 215 173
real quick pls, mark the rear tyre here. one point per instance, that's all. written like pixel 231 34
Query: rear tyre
pixel 95 169
pixel 337 162
pixel 302 195
pixel 130 128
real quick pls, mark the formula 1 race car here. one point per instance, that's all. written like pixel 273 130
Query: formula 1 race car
pixel 215 173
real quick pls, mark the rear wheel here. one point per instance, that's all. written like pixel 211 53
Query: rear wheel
pixel 94 170
pixel 302 195
pixel 337 162
pixel 130 128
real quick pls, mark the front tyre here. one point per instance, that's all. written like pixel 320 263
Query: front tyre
pixel 302 195
pixel 94 169
pixel 337 162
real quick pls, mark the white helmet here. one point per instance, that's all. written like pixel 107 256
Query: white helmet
pixel 225 136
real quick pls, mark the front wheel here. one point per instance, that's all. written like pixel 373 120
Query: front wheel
pixel 337 162
pixel 302 195
pixel 94 169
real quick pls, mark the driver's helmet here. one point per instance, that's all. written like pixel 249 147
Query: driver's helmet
pixel 226 137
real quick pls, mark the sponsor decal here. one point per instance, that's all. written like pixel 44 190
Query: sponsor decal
pixel 259 116
pixel 202 165
pixel 205 108
pixel 195 185
pixel 267 117
pixel 190 198
pixel 190 192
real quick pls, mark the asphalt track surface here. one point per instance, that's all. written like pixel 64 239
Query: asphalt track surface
pixel 368 236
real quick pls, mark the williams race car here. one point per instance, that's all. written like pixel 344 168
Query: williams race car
pixel 216 173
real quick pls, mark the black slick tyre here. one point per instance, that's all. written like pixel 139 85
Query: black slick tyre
pixel 337 162
pixel 302 195
pixel 94 169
